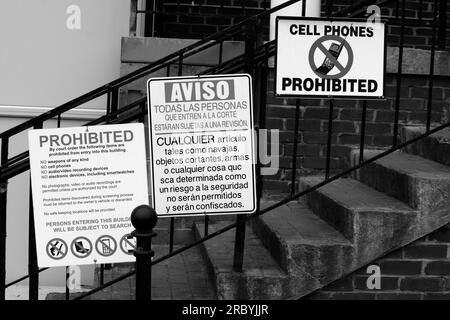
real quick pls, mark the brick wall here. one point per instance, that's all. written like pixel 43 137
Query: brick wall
pixel 347 116
pixel 420 270
pixel 415 36
pixel 199 18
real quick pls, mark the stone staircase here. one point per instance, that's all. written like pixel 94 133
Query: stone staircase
pixel 304 245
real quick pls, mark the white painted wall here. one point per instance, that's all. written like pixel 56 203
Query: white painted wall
pixel 44 64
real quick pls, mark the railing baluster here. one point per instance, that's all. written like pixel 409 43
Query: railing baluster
pixel 431 74
pixel 363 132
pixel 67 296
pixel 172 234
pixel 239 241
pixel 294 153
pixel 3 198
pixel 262 119
pixel 330 133
pixel 206 225
pixel 102 274
pixel 420 9
pixel 442 24
pixel 399 76
pixel 115 100
pixel 397 9
pixel 220 52
pixel 142 114
pixel 108 103
pixel 33 269
pixel 180 65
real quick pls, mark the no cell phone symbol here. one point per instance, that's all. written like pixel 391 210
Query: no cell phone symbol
pixel 128 244
pixel 106 246
pixel 81 247
pixel 57 249
pixel 332 57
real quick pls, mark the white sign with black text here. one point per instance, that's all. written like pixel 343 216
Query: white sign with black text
pixel 323 58
pixel 85 183
pixel 202 145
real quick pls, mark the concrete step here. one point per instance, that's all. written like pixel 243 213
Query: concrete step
pixel 435 147
pixel 262 277
pixel 299 240
pixel 374 222
pixel 419 182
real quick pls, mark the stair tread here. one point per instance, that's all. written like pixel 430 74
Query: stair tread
pixel 295 223
pixel 258 261
pixel 411 165
pixel 443 134
pixel 357 196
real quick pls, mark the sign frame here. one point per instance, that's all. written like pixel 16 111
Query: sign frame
pixel 69 233
pixel 253 145
pixel 325 96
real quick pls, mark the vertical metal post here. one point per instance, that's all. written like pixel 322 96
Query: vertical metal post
pixel 239 242
pixel 363 132
pixel 102 274
pixel 330 133
pixel 442 23
pixel 3 197
pixel 172 234
pixel 67 283
pixel 144 220
pixel 220 52
pixel 180 65
pixel 150 7
pixel 142 113
pixel 33 269
pixel 205 233
pixel 238 258
pixel 399 76
pixel 431 74
pixel 115 100
pixel 262 117
pixel 108 103
pixel 294 153
pixel 420 16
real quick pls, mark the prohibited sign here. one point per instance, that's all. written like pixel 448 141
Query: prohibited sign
pixel 106 245
pixel 81 247
pixel 57 249
pixel 329 58
pixel 337 59
pixel 128 244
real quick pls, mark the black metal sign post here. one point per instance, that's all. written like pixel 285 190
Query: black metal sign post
pixel 143 219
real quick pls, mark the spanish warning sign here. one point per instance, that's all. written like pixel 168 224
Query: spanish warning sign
pixel 85 183
pixel 202 145
pixel 323 58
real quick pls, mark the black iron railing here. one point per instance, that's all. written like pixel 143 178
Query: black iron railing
pixel 255 61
